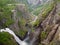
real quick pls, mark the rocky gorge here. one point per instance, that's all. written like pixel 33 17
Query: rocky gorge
pixel 36 23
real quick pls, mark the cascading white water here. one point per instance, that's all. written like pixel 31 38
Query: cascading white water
pixel 16 38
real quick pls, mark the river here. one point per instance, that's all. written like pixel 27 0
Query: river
pixel 18 40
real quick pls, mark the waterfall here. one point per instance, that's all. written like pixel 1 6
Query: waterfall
pixel 20 42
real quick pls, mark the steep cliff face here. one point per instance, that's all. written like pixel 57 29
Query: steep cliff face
pixel 50 27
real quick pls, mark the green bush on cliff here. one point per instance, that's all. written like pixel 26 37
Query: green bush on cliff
pixel 22 33
pixel 43 35
pixel 36 23
pixel 6 39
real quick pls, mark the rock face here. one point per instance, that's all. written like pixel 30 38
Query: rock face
pixel 34 2
pixel 49 28
pixel 25 13
pixel 52 20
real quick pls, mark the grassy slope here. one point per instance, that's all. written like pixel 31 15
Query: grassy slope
pixel 6 39
pixel 5 12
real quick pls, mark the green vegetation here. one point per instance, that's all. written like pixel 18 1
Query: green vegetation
pixel 58 0
pixel 47 10
pixel 6 39
pixel 35 23
pixel 59 14
pixel 22 33
pixel 56 42
pixel 40 44
pixel 23 29
pixel 5 12
pixel 43 35
pixel 19 14
pixel 21 22
pixel 52 43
